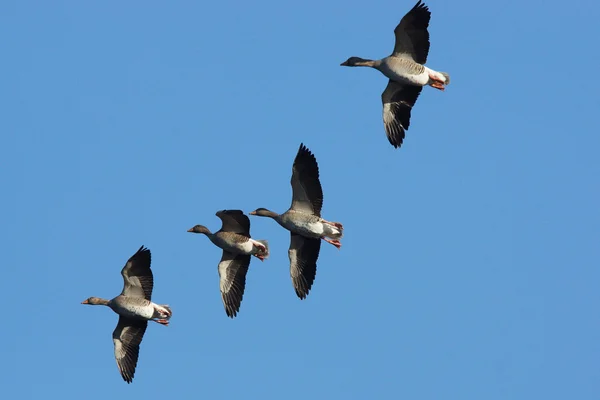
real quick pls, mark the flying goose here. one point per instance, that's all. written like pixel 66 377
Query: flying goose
pixel 406 70
pixel 304 222
pixel 234 239
pixel 135 309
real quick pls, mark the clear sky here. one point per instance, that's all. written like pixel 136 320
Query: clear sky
pixel 470 263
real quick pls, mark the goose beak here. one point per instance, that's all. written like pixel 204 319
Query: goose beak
pixel 344 64
pixel 191 230
pixel 85 302
pixel 252 213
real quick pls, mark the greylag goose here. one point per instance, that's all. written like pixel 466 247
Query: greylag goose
pixel 303 220
pixel 238 247
pixel 135 309
pixel 406 70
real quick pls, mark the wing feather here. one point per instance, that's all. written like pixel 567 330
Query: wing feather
pixel 232 273
pixel 307 193
pixel 138 280
pixel 303 254
pixel 398 101
pixel 412 36
pixel 127 338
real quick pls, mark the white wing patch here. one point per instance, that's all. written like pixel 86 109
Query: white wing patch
pixel 119 352
pixel 388 115
pixel 224 283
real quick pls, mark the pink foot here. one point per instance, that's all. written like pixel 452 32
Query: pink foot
pixel 437 83
pixel 335 242
pixel 260 257
pixel 164 322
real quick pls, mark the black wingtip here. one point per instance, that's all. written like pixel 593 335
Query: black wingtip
pixel 420 5
pixel 304 152
pixel 301 294
pixel 396 140
pixel 126 377
pixel 230 313
pixel 142 252
pixel 420 11
pixel 143 249
pixel 303 149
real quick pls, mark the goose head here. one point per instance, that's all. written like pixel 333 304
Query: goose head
pixel 357 62
pixel 95 301
pixel 199 229
pixel 263 212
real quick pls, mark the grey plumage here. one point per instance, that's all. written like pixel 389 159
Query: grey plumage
pixel 127 338
pixel 135 309
pixel 412 36
pixel 307 194
pixel 398 101
pixel 303 220
pixel 238 247
pixel 232 272
pixel 303 254
pixel 406 72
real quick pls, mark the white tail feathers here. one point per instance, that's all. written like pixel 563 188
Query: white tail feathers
pixel 333 230
pixel 162 311
pixel 446 77
pixel 265 253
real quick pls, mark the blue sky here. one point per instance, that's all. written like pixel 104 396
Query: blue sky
pixel 469 266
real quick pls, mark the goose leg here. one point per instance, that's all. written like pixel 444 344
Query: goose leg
pixel 436 82
pixel 334 242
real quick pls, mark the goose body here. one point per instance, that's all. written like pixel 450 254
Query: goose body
pixel 238 247
pixel 135 308
pixel 308 225
pixel 303 220
pixel 235 243
pixel 405 68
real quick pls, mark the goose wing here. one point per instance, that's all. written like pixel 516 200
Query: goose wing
pixel 398 101
pixel 137 275
pixel 232 273
pixel 234 221
pixel 307 193
pixel 412 36
pixel 127 337
pixel 303 254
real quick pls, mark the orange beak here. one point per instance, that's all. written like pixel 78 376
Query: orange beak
pixel 85 302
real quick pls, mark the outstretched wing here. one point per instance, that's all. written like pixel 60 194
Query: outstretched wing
pixel 303 254
pixel 137 275
pixel 307 193
pixel 234 221
pixel 232 273
pixel 127 337
pixel 398 101
pixel 412 36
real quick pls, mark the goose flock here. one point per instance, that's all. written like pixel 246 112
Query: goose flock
pixel 405 68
